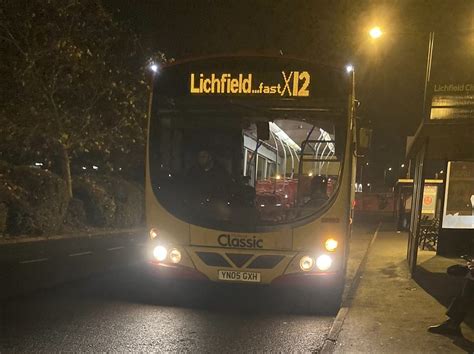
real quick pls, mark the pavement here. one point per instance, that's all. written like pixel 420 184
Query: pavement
pixel 389 311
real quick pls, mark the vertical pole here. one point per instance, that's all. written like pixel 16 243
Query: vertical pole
pixel 245 161
pixel 416 206
pixel 353 161
pixel 150 94
pixel 428 70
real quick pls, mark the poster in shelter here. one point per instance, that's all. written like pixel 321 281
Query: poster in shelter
pixel 459 196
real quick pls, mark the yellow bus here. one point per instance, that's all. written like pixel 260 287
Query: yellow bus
pixel 249 173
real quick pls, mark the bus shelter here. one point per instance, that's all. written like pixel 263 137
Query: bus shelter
pixel 445 138
pixel 452 142
pixel 431 205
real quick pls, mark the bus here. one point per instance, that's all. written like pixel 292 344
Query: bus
pixel 249 173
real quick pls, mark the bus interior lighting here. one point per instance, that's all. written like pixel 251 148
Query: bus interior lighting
pixel 323 262
pixel 330 244
pixel 306 263
pixel 160 253
pixel 275 129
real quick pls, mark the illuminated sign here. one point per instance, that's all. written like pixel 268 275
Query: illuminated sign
pixel 453 88
pixel 429 200
pixel 452 101
pixel 459 196
pixel 290 84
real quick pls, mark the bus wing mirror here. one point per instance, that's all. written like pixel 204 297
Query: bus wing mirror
pixel 263 130
pixel 364 140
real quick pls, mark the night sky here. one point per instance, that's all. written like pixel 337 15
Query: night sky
pixel 390 72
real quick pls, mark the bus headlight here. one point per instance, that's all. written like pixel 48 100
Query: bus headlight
pixel 153 233
pixel 306 263
pixel 160 253
pixel 324 262
pixel 175 256
pixel 330 244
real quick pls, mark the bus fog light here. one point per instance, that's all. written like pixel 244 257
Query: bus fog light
pixel 160 253
pixel 175 255
pixel 153 233
pixel 323 262
pixel 330 244
pixel 306 263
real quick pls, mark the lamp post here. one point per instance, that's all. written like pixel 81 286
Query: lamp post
pixel 153 68
pixel 376 32
pixel 385 175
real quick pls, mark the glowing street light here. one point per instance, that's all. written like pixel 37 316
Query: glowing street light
pixel 375 32
pixel 154 67
pixel 389 168
pixel 349 68
pixel 402 165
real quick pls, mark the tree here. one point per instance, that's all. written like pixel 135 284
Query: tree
pixel 73 80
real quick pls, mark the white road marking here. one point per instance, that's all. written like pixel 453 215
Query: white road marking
pixel 79 254
pixel 34 260
pixel 115 248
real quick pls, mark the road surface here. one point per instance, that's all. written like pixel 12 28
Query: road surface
pixel 115 304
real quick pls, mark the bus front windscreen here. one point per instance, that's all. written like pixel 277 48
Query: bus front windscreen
pixel 240 170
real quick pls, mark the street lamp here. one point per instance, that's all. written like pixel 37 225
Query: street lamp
pixel 375 32
pixel 154 67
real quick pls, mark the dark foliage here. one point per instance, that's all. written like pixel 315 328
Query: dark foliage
pixel 76 217
pixel 72 83
pixel 99 206
pixel 36 200
pixel 110 201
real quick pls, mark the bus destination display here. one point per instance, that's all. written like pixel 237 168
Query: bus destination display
pixel 290 84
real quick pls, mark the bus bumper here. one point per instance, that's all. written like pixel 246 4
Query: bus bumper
pixel 168 271
pixel 309 279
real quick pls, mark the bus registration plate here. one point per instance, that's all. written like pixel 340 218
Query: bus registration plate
pixel 231 275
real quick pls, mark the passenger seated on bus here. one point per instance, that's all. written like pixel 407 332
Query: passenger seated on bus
pixel 207 179
pixel 318 192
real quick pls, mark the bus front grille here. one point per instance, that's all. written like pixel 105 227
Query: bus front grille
pixel 213 259
pixel 266 262
pixel 238 260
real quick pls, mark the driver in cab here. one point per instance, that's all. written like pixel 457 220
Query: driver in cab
pixel 207 179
